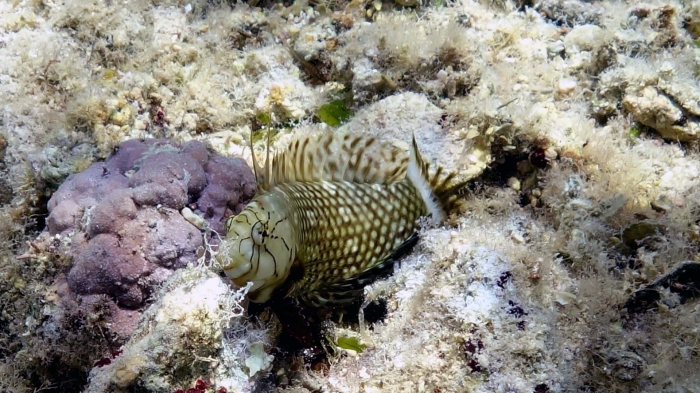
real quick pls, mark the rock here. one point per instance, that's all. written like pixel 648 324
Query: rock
pixel 642 233
pixel 571 12
pixel 514 183
pixel 655 109
pixel 195 327
pixel 566 86
pixel 624 365
pixel 122 217
pixel 683 281
pixel 662 204
pixel 583 38
pixel 407 3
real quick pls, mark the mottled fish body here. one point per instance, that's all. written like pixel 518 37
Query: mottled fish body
pixel 332 213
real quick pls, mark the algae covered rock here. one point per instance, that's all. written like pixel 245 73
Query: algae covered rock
pixel 642 234
pixel 195 331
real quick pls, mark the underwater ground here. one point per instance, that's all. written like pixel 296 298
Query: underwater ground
pixel 573 265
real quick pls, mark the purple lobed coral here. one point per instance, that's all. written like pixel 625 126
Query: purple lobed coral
pixel 123 218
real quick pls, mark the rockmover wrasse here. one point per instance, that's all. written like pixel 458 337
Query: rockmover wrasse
pixel 331 215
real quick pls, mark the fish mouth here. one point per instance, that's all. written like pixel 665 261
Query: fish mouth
pixel 237 269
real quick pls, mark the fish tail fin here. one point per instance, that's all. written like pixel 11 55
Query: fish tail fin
pixel 440 193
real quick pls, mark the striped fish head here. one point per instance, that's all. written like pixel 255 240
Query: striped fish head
pixel 259 247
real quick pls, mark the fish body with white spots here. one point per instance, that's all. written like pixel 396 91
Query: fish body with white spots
pixel 332 214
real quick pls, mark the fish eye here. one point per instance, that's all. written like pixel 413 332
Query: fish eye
pixel 259 233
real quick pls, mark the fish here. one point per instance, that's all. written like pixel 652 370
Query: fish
pixel 332 214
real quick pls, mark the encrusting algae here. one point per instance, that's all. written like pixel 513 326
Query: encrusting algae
pixel 332 214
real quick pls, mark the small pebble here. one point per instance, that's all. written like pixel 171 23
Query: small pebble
pixel 564 298
pixel 514 183
pixel 662 204
pixel 550 154
pixel 518 238
pixel 556 47
pixel 192 218
pixel 566 86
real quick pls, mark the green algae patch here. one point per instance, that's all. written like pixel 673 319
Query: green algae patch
pixel 334 113
pixel 351 343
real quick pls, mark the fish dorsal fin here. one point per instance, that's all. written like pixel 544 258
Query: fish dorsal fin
pixel 261 176
pixel 339 156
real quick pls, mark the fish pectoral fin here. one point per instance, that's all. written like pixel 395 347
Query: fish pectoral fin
pixel 349 290
pixel 288 287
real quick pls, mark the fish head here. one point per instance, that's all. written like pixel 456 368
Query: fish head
pixel 259 247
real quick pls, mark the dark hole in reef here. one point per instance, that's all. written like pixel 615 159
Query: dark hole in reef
pixel 303 341
pixel 267 384
pixel 474 366
pixel 523 199
pixel 37 223
pixel 643 300
pixel 643 131
pixel 523 5
pixel 538 158
pixel 498 173
pixel 375 311
pixel 6 192
pixel 682 121
pixel 524 165
pixel 541 388
pixel 645 234
pixel 302 327
pixel 71 379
